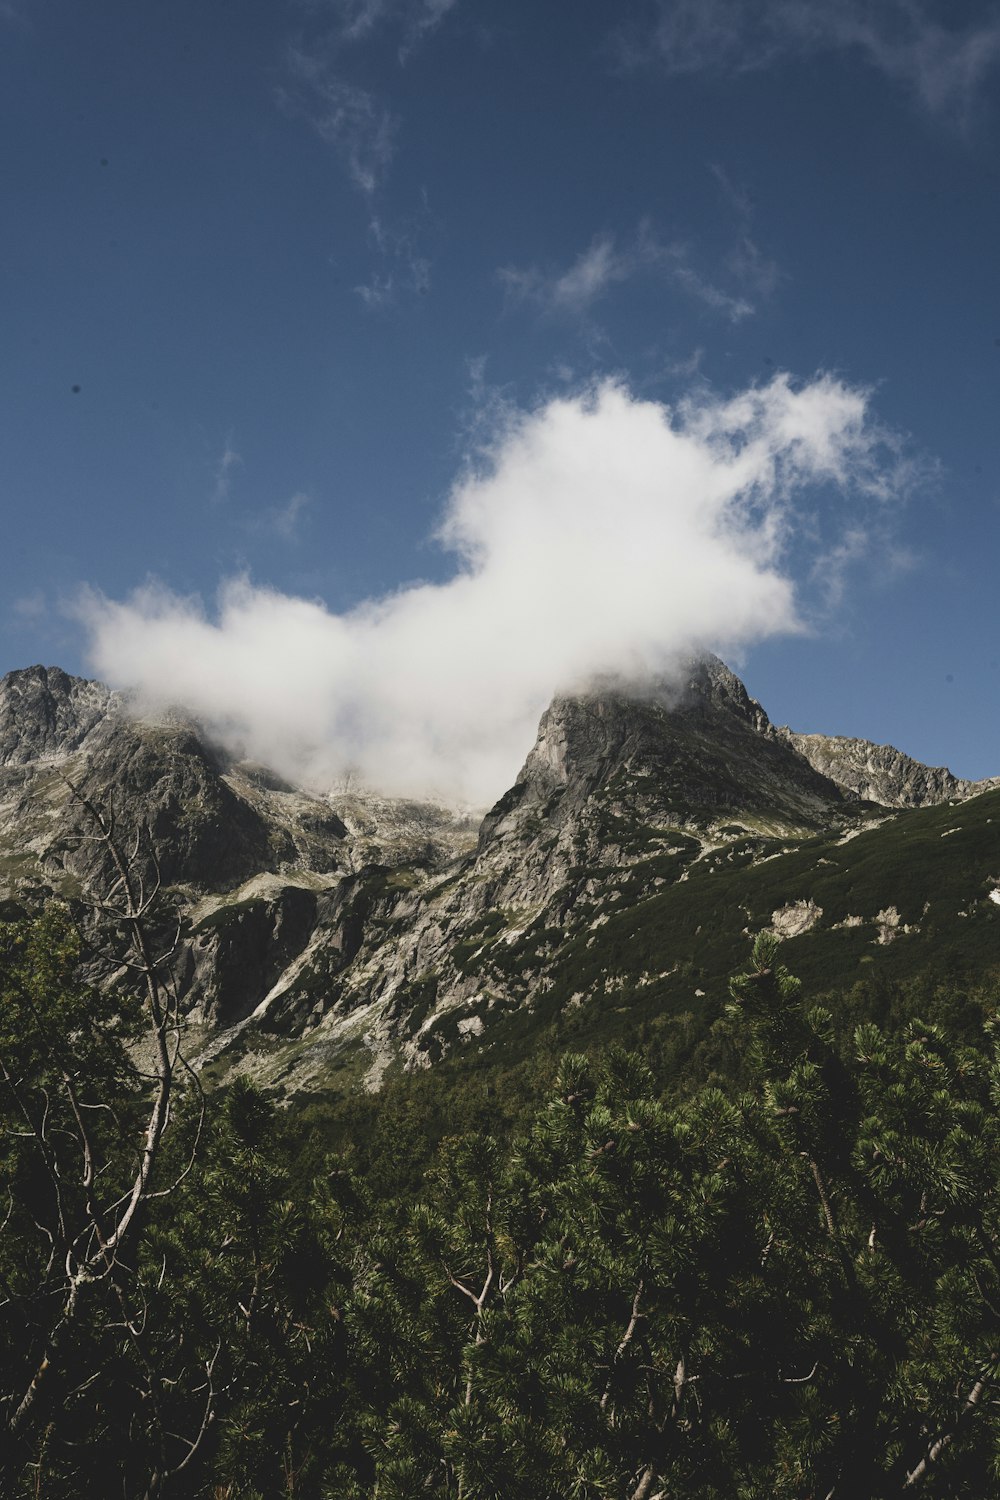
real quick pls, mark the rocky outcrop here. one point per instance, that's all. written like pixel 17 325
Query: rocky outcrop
pixel 881 773
pixel 259 851
pixel 235 951
pixel 614 771
pixel 795 918
pixel 46 715
pixel 398 830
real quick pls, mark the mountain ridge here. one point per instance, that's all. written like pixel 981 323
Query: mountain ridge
pixel 881 773
pixel 327 939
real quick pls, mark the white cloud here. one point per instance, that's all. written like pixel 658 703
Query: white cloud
pixel 600 534
pixel 944 66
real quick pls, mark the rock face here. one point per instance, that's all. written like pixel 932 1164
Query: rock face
pixel 47 715
pixel 616 779
pixel 613 771
pixel 210 829
pixel 217 827
pixel 881 773
pixel 318 928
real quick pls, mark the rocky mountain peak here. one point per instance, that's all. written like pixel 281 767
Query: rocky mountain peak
pixel 708 682
pixel 45 714
pixel 605 721
pixel 686 751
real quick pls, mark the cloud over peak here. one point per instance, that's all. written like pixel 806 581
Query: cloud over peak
pixel 599 534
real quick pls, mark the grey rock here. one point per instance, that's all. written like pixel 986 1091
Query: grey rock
pixel 47 715
pixel 881 773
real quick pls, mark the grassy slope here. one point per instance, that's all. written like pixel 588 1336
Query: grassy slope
pixel 936 866
pixel 634 977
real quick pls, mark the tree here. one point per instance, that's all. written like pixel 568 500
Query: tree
pixel 83 1125
pixel 790 1291
pixel 787 1287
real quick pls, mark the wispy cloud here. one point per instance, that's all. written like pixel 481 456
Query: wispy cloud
pixel 943 66
pixel 30 609
pixel 357 20
pixel 680 521
pixel 684 367
pixel 229 461
pixel 575 291
pixel 282 521
pixel 402 269
pixel 379 291
pixel 358 126
pixel 831 568
pixel 735 308
pixel 748 264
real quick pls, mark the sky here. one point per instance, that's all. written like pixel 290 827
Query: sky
pixel 374 369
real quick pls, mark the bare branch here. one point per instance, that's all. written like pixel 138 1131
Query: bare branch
pixel 92 1252
pixel 192 1444
pixel 799 1379
pixel 919 1471
pixel 626 1339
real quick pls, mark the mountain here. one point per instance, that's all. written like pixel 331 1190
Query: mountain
pixel 329 938
pixel 881 773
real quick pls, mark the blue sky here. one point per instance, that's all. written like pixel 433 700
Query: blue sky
pixel 283 283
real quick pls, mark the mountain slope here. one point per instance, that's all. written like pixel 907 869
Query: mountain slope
pixel 225 832
pixel 644 840
pixel 328 938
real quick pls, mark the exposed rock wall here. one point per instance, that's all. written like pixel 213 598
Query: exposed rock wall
pixel 881 773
